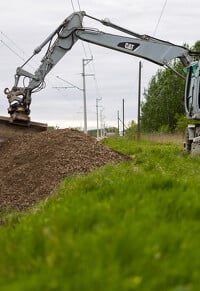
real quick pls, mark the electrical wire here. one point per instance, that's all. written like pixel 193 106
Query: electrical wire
pixel 84 49
pixel 159 19
pixel 91 55
pixel 93 65
pixel 73 8
pixel 79 6
pixel 72 5
pixel 12 50
pixel 15 49
pixel 12 42
pixel 73 86
pixel 43 84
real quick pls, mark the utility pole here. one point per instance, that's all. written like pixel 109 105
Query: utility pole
pixel 139 98
pixel 118 121
pixel 123 117
pixel 84 63
pixel 101 121
pixel 97 111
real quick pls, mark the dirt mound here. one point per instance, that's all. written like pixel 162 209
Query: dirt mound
pixel 31 166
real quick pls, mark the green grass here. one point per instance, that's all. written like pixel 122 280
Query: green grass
pixel 133 226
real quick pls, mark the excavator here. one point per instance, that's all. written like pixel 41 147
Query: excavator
pixel 62 39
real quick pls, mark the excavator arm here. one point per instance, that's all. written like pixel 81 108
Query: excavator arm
pixel 143 46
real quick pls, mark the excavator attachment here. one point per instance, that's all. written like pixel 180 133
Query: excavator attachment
pixel 19 120
pixel 18 108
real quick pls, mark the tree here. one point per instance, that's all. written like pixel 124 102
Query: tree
pixel 131 130
pixel 164 98
pixel 196 47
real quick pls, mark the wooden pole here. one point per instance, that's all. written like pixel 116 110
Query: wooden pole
pixel 139 101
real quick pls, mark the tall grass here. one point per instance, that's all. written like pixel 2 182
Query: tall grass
pixel 134 226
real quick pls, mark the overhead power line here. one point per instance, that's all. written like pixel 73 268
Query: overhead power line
pixel 12 50
pixel 79 5
pixel 159 19
pixel 12 42
pixel 90 52
pixel 72 5
pixel 71 84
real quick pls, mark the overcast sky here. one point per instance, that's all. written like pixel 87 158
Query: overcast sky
pixel 24 24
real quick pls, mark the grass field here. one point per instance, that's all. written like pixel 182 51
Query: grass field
pixel 133 226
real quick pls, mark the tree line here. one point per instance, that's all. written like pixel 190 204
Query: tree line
pixel 163 104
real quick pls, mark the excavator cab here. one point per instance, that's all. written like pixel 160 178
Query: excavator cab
pixel 192 91
pixel 192 108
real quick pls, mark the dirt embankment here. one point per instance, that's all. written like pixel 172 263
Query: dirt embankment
pixel 32 165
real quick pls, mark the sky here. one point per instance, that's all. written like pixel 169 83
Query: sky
pixel 111 76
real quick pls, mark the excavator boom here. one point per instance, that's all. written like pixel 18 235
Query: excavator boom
pixel 153 51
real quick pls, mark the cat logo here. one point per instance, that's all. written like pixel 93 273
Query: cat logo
pixel 131 46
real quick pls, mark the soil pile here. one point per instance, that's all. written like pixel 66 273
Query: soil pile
pixel 32 165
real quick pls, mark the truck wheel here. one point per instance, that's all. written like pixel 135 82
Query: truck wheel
pixel 188 143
